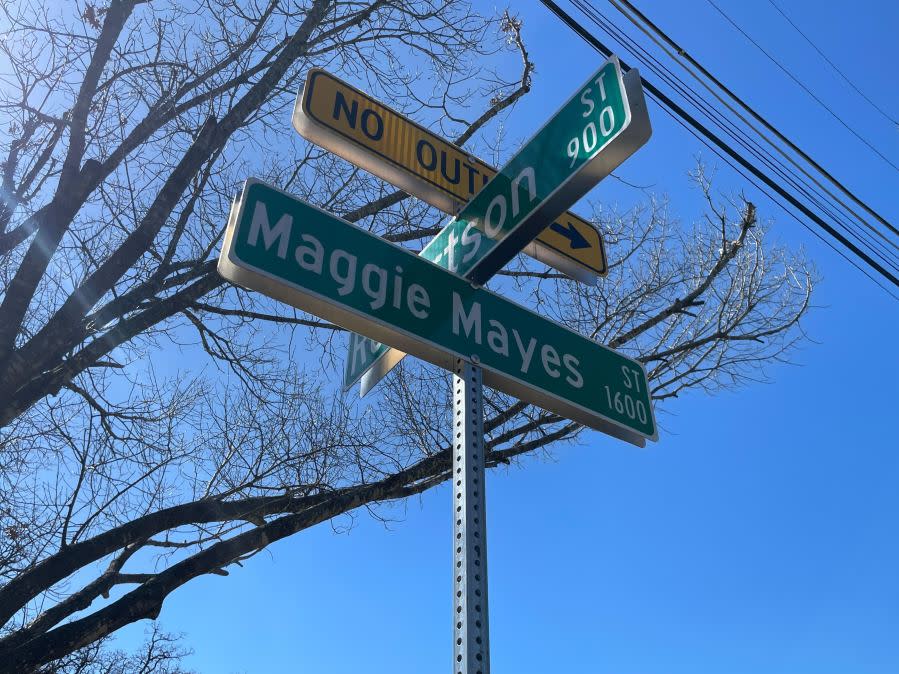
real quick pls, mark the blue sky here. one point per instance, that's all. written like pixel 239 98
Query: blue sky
pixel 758 535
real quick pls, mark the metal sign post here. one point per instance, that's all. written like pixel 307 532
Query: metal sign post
pixel 471 634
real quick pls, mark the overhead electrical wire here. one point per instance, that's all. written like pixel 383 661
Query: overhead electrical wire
pixel 740 136
pixel 797 182
pixel 722 122
pixel 733 157
pixel 780 202
pixel 644 20
pixel 554 7
pixel 800 84
pixel 805 37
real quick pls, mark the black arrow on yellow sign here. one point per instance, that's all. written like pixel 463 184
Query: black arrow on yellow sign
pixel 570 232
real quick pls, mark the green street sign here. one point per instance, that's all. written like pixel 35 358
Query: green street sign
pixel 315 261
pixel 604 123
pixel 573 151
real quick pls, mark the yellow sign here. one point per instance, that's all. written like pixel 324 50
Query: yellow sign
pixel 358 128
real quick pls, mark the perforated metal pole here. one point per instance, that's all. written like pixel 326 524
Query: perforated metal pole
pixel 471 642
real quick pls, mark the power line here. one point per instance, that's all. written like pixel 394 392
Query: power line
pixel 740 136
pixel 761 188
pixel 796 182
pixel 702 105
pixel 758 118
pixel 833 65
pixel 801 85
pixel 666 101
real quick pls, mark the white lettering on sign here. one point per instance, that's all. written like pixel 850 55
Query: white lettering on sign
pixel 588 139
pixel 470 237
pixel 532 188
pixel 625 404
pixel 346 280
pixel 379 293
pixel 526 352
pixel 470 323
pixel 358 353
pixel 418 295
pixel 361 350
pixel 374 282
pixel 627 372
pixel 367 284
pixel 571 364
pixel 470 240
pixel 280 232
pixel 495 216
pixel 498 338
pixel 309 257
pixel 493 226
pixel 551 362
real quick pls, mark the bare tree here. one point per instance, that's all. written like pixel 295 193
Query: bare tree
pixel 159 654
pixel 157 424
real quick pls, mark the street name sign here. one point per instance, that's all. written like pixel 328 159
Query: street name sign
pixel 593 132
pixel 296 253
pixel 585 140
pixel 371 135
